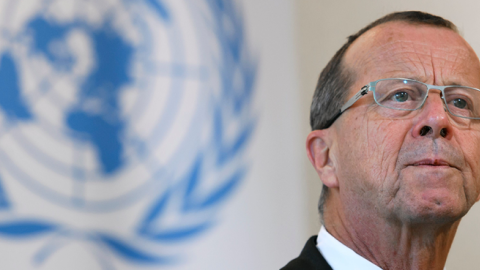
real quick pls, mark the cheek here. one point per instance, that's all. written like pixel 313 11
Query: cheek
pixel 385 139
pixel 470 144
pixel 471 150
pixel 369 154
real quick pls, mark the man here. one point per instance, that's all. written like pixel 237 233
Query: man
pixel 396 143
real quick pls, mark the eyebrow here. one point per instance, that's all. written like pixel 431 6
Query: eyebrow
pixel 421 79
pixel 416 78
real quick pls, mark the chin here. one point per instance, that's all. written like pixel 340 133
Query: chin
pixel 435 208
pixel 431 196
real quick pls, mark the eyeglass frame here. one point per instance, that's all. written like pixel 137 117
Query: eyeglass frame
pixel 370 87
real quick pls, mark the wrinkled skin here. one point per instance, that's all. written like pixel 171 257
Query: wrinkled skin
pixel 397 196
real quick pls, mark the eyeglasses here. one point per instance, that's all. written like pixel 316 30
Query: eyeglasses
pixel 410 95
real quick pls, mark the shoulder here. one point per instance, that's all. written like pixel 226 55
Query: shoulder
pixel 310 258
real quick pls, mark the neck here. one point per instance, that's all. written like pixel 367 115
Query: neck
pixel 392 244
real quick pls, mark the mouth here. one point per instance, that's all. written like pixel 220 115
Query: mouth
pixel 433 163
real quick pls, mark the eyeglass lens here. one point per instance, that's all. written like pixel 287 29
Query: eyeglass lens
pixel 402 94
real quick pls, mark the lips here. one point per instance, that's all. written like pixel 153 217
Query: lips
pixel 432 162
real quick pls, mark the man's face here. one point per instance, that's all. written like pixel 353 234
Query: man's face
pixel 384 165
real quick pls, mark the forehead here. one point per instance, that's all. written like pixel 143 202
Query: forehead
pixel 427 53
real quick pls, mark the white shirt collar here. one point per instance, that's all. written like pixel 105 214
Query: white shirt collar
pixel 339 256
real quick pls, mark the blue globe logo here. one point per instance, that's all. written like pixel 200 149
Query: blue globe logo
pixel 112 110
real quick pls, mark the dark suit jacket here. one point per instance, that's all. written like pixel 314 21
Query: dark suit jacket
pixel 309 259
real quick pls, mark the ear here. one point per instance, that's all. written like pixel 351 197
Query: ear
pixel 318 151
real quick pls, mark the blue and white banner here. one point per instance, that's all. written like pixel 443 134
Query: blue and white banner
pixel 125 127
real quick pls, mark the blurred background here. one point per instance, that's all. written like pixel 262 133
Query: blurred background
pixel 162 134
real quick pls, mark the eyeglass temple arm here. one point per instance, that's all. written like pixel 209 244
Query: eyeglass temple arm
pixel 347 105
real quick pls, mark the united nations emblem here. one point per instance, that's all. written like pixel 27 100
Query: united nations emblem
pixel 122 123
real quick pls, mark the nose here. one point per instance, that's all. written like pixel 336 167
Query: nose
pixel 433 120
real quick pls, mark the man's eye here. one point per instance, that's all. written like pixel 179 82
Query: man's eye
pixel 400 96
pixel 459 103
